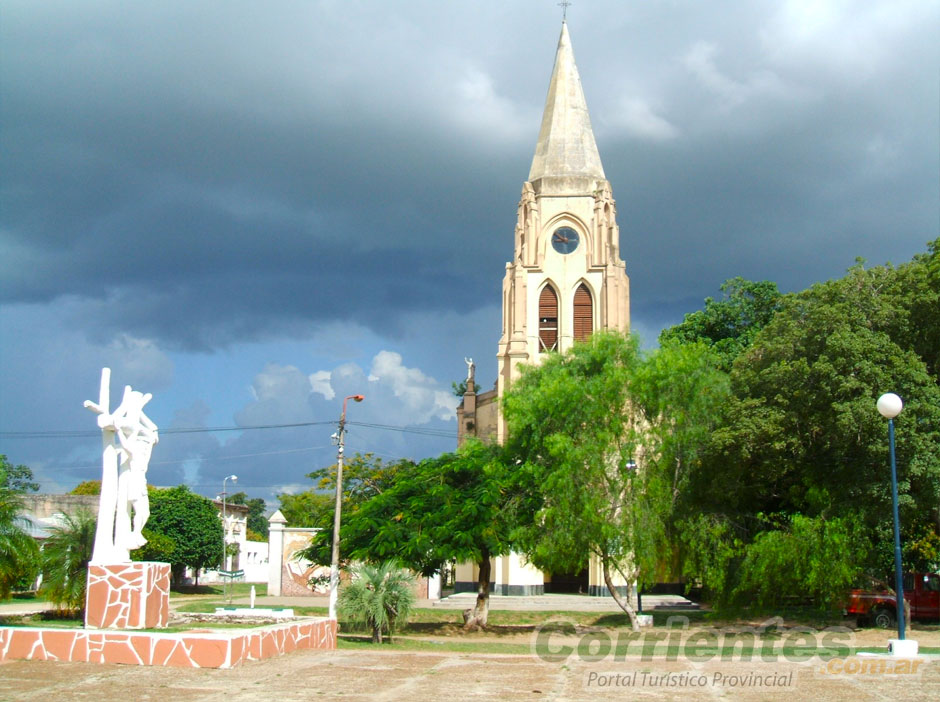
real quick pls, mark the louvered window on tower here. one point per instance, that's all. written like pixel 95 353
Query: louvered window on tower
pixel 583 313
pixel 548 319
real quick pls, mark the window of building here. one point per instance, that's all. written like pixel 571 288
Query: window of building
pixel 548 319
pixel 583 313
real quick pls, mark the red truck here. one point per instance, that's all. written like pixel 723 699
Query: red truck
pixel 921 592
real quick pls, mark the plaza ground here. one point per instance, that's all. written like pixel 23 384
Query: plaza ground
pixel 395 675
pixel 413 670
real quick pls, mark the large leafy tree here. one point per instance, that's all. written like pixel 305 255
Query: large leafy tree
pixel 256 523
pixel 191 522
pixel 678 391
pixel 87 487
pixel 364 476
pixel 18 552
pixel 18 478
pixel 305 509
pixel 578 444
pixel 804 416
pixel 729 324
pixel 801 439
pixel 452 507
pixel 65 557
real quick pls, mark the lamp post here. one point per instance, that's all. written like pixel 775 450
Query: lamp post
pixel 334 561
pixel 890 406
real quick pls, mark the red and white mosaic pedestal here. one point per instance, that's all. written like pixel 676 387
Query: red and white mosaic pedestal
pixel 132 596
pixel 195 649
pixel 128 596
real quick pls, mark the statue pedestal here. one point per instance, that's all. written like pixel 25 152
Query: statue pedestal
pixel 128 596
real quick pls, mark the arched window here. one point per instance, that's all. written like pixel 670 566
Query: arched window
pixel 548 319
pixel 583 313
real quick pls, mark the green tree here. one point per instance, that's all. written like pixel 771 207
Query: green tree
pixel 192 523
pixel 18 552
pixel 379 596
pixel 814 557
pixel 453 507
pixel 578 443
pixel 729 324
pixel 364 476
pixel 305 509
pixel 159 548
pixel 65 557
pixel 804 418
pixel 679 391
pixel 800 437
pixel 257 522
pixel 87 487
pixel 16 477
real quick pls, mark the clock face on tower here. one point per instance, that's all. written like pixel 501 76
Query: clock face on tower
pixel 565 240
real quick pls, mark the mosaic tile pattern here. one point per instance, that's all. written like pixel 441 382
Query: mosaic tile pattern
pixel 128 596
pixel 195 649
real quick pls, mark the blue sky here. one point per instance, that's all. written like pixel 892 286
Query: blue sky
pixel 252 209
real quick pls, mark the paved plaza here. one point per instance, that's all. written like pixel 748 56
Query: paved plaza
pixel 394 675
pixel 371 673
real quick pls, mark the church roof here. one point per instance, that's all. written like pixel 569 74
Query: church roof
pixel 566 141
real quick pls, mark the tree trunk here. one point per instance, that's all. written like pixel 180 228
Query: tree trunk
pixel 624 604
pixel 476 618
pixel 376 634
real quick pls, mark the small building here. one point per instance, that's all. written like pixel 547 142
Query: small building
pixel 249 556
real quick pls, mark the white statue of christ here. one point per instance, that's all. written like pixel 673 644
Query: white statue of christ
pixel 128 437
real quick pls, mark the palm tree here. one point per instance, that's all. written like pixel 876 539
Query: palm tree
pixel 65 556
pixel 379 595
pixel 18 552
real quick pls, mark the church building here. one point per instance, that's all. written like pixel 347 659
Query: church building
pixel 566 279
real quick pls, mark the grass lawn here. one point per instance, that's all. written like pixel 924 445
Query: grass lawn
pixel 21 598
pixel 514 632
pixel 236 589
pixel 51 619
pixel 403 643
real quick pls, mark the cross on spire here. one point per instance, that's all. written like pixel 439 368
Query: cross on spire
pixel 564 10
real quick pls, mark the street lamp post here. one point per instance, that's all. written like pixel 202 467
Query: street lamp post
pixel 334 561
pixel 890 406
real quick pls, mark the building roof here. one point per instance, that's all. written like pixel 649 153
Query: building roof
pixel 232 508
pixel 566 146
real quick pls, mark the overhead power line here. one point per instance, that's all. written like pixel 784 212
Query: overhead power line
pixel 64 434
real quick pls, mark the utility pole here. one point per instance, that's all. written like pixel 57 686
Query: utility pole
pixel 334 561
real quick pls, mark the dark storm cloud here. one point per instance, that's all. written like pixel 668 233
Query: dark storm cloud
pixel 190 178
pixel 208 173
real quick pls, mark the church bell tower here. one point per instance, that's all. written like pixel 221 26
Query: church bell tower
pixel 566 278
pixel 565 281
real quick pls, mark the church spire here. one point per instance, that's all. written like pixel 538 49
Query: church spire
pixel 566 145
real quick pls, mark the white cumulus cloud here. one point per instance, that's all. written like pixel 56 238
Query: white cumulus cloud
pixel 423 397
pixel 320 382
